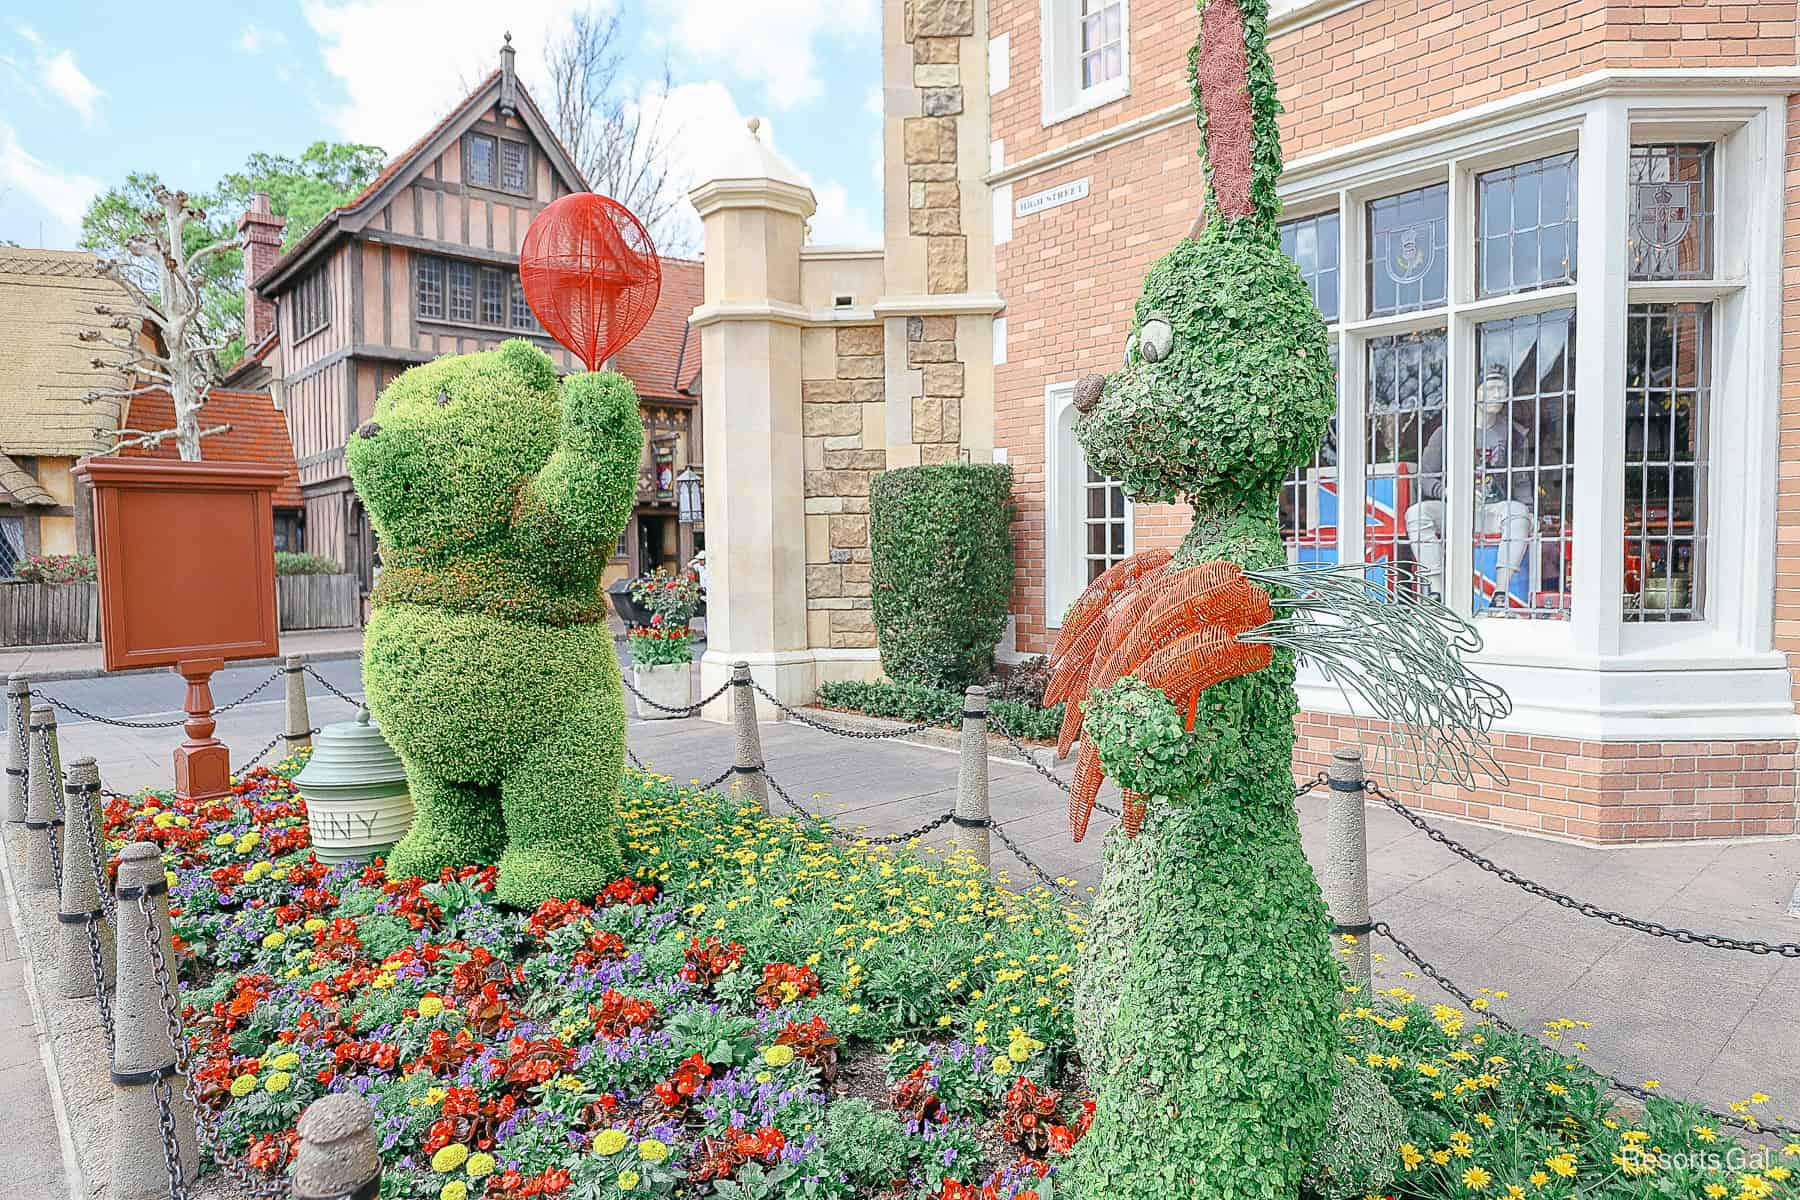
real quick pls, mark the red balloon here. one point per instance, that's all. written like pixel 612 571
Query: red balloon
pixel 591 274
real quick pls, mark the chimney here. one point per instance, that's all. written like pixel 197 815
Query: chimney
pixel 262 246
pixel 509 82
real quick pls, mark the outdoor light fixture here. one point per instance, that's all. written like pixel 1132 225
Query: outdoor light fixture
pixel 688 498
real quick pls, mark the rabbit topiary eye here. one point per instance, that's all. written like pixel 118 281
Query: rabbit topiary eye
pixel 1156 339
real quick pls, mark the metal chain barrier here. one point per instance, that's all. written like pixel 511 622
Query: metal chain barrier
pixel 252 1182
pixel 97 960
pixel 263 753
pixel 85 715
pixel 171 1141
pixel 865 735
pixel 97 860
pixel 1715 941
pixel 1487 1014
pixel 689 711
pixel 1047 879
pixel 332 687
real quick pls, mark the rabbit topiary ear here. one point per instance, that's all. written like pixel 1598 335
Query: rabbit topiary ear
pixel 532 364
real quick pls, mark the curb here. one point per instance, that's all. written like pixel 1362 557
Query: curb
pixel 316 656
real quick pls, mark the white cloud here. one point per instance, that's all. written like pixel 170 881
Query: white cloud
pixel 770 42
pixel 255 39
pixel 34 190
pixel 404 63
pixel 58 71
pixel 839 221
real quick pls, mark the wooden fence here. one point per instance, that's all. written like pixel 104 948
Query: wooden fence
pixel 318 601
pixel 48 614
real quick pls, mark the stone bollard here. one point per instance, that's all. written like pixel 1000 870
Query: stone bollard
pixel 749 763
pixel 43 802
pixel 86 952
pixel 18 745
pixel 1347 861
pixel 338 1157
pixel 973 817
pixel 299 721
pixel 143 1067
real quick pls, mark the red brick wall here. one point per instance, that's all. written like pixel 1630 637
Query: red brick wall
pixel 1070 276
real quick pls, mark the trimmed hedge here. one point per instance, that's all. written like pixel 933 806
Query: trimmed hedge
pixel 942 570
pixel 288 562
pixel 917 701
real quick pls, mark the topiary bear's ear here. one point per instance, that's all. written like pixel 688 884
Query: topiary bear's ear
pixel 532 364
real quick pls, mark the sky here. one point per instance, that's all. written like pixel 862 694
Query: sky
pixel 93 90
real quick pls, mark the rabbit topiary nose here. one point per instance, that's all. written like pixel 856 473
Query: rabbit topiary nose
pixel 1087 392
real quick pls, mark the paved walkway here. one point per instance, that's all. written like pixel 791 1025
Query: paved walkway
pixel 1716 1025
pixel 83 661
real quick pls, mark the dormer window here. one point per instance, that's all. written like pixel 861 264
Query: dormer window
pixel 497 162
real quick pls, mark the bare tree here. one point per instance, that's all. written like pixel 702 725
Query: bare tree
pixel 177 359
pixel 622 146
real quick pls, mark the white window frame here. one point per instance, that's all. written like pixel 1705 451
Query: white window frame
pixel 1595 675
pixel 1065 516
pixel 1059 41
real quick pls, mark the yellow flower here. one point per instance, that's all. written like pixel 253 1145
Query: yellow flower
pixel 224 839
pixel 1410 1158
pixel 430 1006
pixel 1537 1179
pixel 652 1151
pixel 610 1141
pixel 278 1082
pixel 1563 1164
pixel 1441 1157
pixel 1652 1084
pixel 1779 1174
pixel 243 1085
pixel 778 1056
pixel 480 1165
pixel 449 1158
pixel 1758 1098
pixel 1717 1190
pixel 627 1180
pixel 285 1062
pixel 1706 1133
pixel 314 924
pixel 274 941
pixel 1003 1065
pixel 1476 1179
pixel 456 1189
pixel 1556 1089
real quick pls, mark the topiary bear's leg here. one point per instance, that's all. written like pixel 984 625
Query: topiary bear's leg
pixel 454 824
pixel 561 819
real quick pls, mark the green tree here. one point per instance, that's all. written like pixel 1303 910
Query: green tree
pixel 303 189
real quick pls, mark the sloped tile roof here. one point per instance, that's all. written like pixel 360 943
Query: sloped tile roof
pixel 47 297
pixel 258 433
pixel 650 359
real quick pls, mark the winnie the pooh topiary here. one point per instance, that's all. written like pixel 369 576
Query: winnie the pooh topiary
pixel 497 494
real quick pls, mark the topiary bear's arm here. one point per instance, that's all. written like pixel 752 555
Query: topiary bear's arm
pixel 572 511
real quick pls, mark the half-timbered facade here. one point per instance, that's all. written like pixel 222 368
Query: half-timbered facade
pixel 423 262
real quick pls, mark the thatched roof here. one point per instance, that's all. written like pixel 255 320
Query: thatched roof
pixel 47 297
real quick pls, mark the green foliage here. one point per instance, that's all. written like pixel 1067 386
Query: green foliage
pixel 660 645
pixel 57 568
pixel 919 702
pixel 1206 997
pixel 942 569
pixel 288 562
pixel 1143 742
pixel 303 190
pixel 496 495
pixel 1362 1140
pixel 864 1146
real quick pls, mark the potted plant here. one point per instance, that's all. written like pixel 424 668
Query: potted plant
pixel 662 648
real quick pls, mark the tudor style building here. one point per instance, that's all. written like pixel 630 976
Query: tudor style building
pixel 424 262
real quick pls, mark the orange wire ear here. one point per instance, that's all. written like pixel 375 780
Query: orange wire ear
pixel 1132 812
pixel 1084 789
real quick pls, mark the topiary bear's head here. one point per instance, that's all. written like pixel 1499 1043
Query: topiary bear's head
pixel 1227 384
pixel 452 442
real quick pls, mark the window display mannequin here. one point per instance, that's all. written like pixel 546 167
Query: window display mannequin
pixel 1498 442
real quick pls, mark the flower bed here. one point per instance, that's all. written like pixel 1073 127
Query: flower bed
pixel 921 702
pixel 759 1011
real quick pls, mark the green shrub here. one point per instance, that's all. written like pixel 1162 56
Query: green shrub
pixel 942 569
pixel 496 492
pixel 865 1146
pixel 1362 1138
pixel 918 702
pixel 289 563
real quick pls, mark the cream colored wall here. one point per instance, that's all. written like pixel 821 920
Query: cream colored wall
pixel 53 475
pixel 827 273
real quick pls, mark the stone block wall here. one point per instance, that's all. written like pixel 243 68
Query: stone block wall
pixel 842 419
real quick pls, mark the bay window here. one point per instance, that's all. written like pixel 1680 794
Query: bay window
pixel 1548 328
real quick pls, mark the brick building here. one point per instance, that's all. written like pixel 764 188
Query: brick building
pixel 1558 246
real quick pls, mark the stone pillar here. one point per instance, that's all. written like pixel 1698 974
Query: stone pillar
pixel 973 815
pixel 82 928
pixel 299 720
pixel 1347 861
pixel 42 805
pixel 18 743
pixel 143 1056
pixel 754 210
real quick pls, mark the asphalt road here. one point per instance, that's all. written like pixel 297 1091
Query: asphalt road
pixel 153 695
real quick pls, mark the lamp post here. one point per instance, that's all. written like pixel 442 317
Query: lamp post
pixel 688 500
